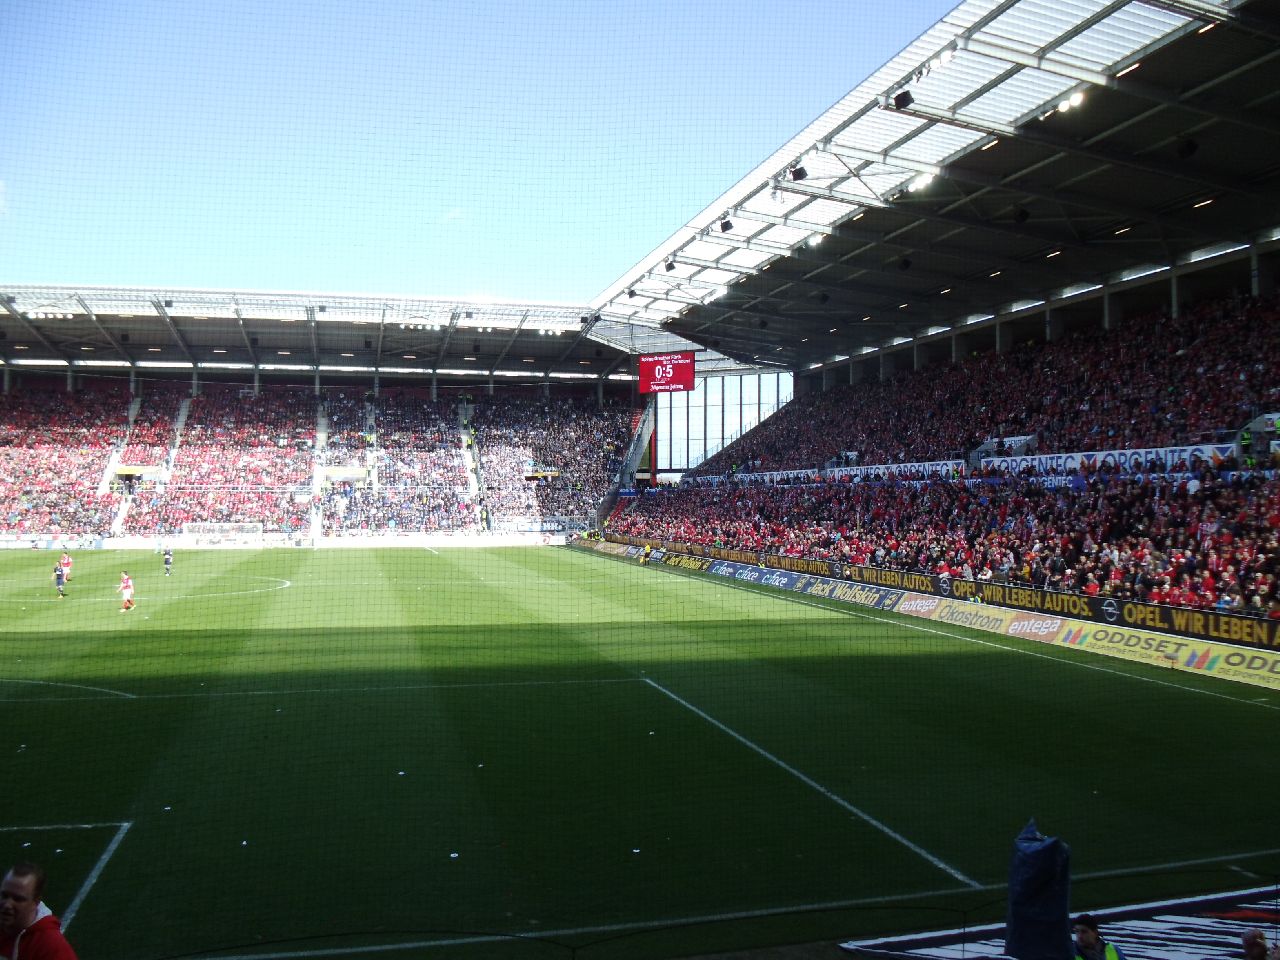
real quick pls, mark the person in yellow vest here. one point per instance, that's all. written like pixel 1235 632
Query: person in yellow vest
pixel 644 557
pixel 1090 944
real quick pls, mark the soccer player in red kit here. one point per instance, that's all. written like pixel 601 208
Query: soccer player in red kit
pixel 126 591
pixel 65 563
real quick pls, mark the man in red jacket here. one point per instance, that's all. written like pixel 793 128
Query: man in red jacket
pixel 28 929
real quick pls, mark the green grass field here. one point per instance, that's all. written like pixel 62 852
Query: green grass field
pixel 512 753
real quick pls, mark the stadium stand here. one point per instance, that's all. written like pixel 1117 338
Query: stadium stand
pixel 55 447
pixel 240 458
pixel 548 458
pixel 154 429
pixel 421 478
pixel 1154 381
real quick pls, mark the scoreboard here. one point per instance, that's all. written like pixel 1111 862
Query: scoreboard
pixel 666 372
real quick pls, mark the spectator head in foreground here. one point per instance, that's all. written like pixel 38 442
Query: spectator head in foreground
pixel 1090 944
pixel 28 928
pixel 1254 946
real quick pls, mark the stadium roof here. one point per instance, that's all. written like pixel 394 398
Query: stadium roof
pixel 1018 152
pixel 212 330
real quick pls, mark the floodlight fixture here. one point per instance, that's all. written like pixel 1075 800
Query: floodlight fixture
pixel 669 265
pixel 797 172
pixel 726 225
pixel 903 99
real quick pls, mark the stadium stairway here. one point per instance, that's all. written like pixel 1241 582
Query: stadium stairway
pixel 322 441
pixel 468 450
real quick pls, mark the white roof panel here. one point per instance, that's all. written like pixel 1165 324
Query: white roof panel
pixel 706 249
pixel 937 143
pixel 785 236
pixel 1031 26
pixel 826 212
pixel 1023 94
pixel 747 259
pixel 1118 37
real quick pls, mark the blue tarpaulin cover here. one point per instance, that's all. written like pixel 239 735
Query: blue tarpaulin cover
pixel 1038 925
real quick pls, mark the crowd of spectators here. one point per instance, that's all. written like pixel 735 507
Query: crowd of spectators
pixel 154 429
pixel 347 436
pixel 1211 540
pixel 241 458
pixel 1152 381
pixel 543 458
pixel 55 446
pixel 49 489
pixel 420 484
pixel 163 513
pixel 352 510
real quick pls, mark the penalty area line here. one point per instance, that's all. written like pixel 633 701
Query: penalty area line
pixel 638 925
pixel 814 785
pixel 70 913
pixel 73 686
pixel 385 688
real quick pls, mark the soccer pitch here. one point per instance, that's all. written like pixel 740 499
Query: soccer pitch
pixel 541 752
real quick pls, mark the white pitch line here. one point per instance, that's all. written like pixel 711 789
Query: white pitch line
pixel 1104 914
pixel 63 826
pixel 580 931
pixel 70 913
pixel 1175 865
pixel 999 646
pixel 686 921
pixel 74 686
pixel 810 782
pixel 283 585
pixel 212 695
pixel 1075 663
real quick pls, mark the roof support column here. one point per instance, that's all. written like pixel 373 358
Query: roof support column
pixel 71 380
pixel 546 387
pixel 1106 310
pixel 133 382
pixel 885 372
pixel 917 360
pixel 955 348
pixel 257 383
pixel 1003 336
pixel 435 394
pixel 195 382
pixel 599 394
pixel 8 381
pixel 1052 326
pixel 317 383
pixel 1260 284
pixel 1174 309
pixel 377 387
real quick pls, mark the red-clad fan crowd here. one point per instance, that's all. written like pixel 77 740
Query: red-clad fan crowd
pixel 154 429
pixel 240 458
pixel 1206 541
pixel 1152 382
pixel 1204 538
pixel 54 449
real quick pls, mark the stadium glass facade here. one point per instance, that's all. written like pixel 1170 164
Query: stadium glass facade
pixel 692 426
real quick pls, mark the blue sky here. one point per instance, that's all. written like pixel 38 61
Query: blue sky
pixel 511 150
